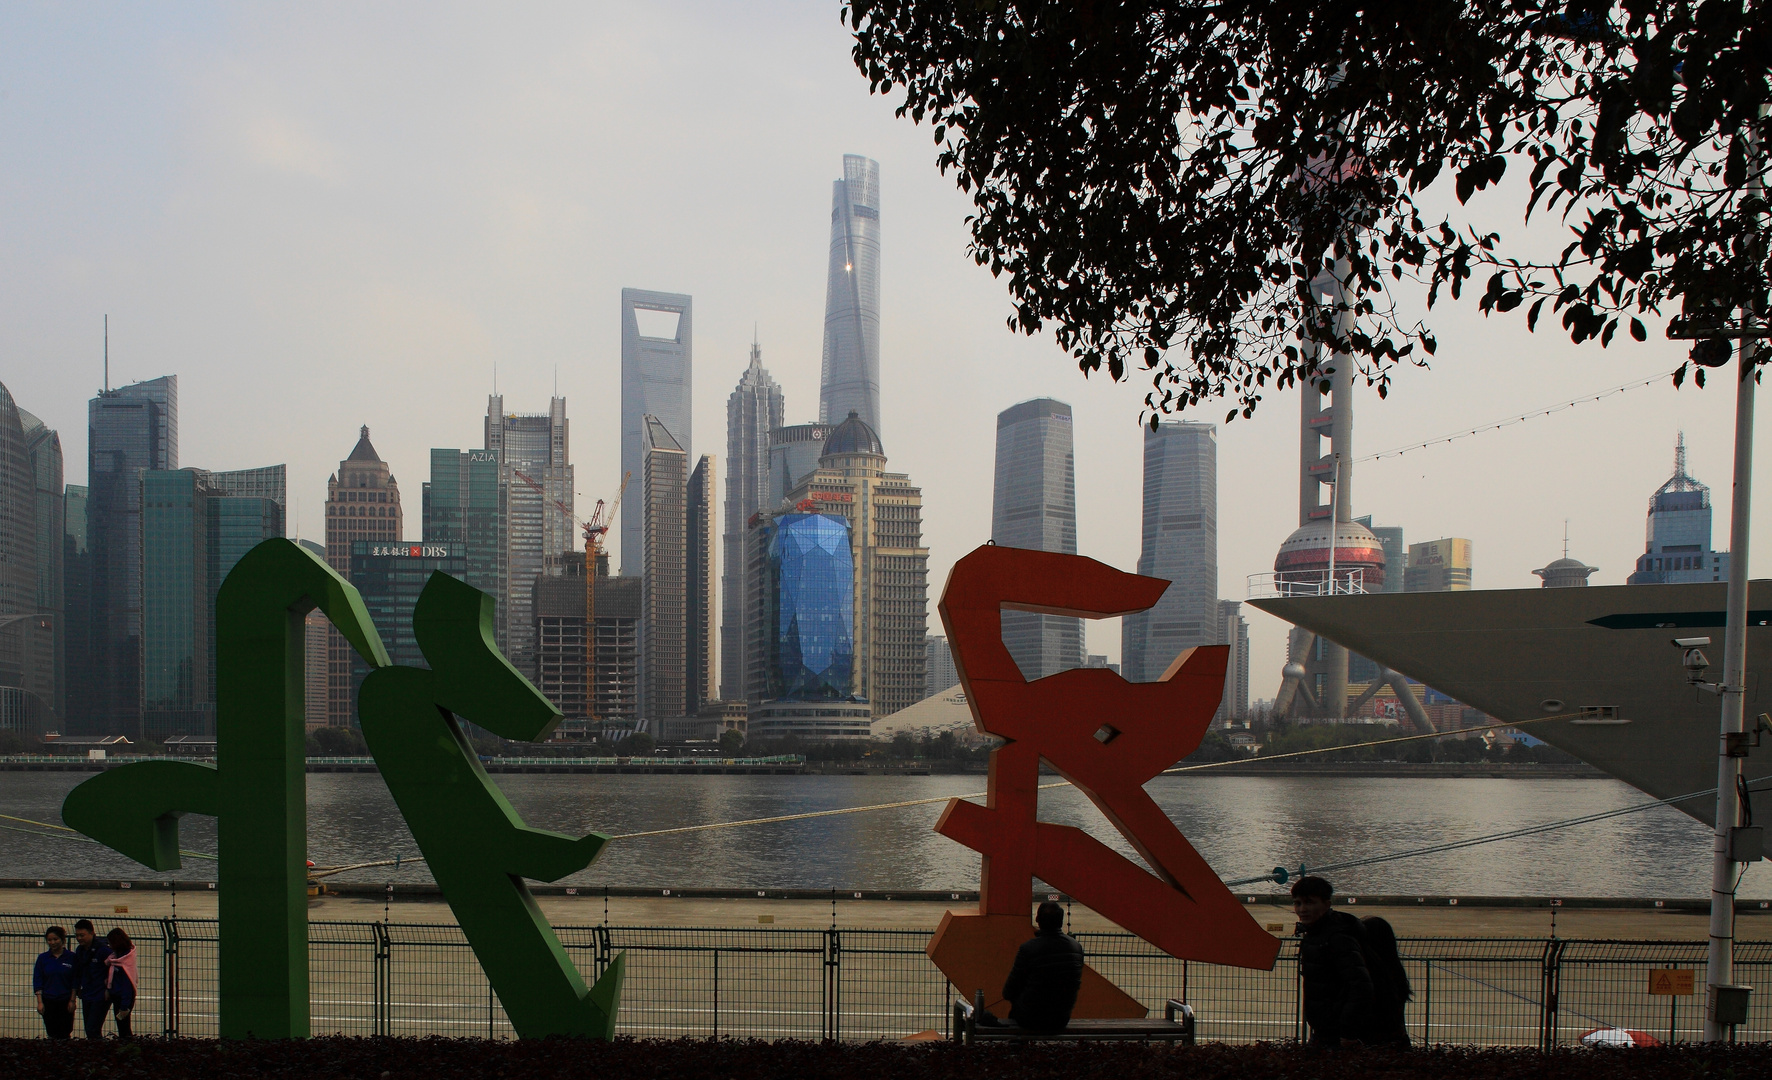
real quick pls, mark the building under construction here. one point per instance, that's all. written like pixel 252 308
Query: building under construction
pixel 559 634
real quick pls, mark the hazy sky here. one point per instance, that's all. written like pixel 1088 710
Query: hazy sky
pixel 321 216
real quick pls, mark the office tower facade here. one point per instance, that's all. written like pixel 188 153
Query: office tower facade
pixel 657 361
pixel 538 520
pixel 1179 544
pixel 1439 566
pixel 362 506
pixel 27 631
pixel 194 530
pixel 885 512
pixel 1034 505
pixel 390 575
pixel 794 451
pixel 939 671
pixel 81 679
pixel 664 497
pixel 1679 532
pixel 560 633
pixel 1233 630
pixel 176 642
pixel 314 627
pixel 753 413
pixel 804 615
pixel 43 448
pixel 1396 553
pixel 465 503
pixel 700 635
pixel 850 379
pixel 129 431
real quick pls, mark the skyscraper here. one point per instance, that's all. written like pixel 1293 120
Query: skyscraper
pixel 664 497
pixel 885 512
pixel 465 505
pixel 939 672
pixel 43 447
pixel 362 504
pixel 753 412
pixel 1034 505
pixel 129 431
pixel 1679 532
pixel 81 680
pixel 533 454
pixel 850 381
pixel 699 650
pixel 1439 566
pixel 1233 630
pixel 194 530
pixel 1180 545
pixel 314 627
pixel 27 634
pixel 656 367
pixel 794 450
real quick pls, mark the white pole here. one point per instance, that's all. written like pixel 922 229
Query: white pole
pixel 1334 520
pixel 1720 968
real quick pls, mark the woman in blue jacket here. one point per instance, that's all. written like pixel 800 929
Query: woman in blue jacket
pixel 53 981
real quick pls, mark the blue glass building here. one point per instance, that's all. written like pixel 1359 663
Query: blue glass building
pixel 812 570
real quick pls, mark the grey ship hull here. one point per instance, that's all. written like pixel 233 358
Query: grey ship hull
pixel 1521 654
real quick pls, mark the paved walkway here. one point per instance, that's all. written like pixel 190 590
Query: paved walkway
pixel 1467 920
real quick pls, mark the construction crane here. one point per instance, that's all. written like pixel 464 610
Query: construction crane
pixel 594 530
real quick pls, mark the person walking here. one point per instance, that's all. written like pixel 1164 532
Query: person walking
pixel 53 982
pixel 1048 971
pixel 1338 991
pixel 1390 983
pixel 89 976
pixel 120 979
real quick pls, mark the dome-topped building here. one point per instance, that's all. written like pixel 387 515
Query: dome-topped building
pixel 853 436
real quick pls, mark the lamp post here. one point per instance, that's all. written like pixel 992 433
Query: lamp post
pixel 1722 998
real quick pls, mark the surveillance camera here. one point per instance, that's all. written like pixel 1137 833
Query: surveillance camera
pixel 1691 642
pixel 1695 662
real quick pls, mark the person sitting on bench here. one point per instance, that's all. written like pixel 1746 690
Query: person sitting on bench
pixel 1042 986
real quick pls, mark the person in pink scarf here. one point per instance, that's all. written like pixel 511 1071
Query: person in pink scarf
pixel 120 979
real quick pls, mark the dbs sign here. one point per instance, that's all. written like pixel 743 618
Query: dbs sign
pixel 1108 737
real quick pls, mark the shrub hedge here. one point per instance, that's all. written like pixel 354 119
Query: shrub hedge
pixel 695 1059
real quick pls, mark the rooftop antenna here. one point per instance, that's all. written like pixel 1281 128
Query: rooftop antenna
pixel 1565 538
pixel 495 378
pixel 556 380
pixel 107 353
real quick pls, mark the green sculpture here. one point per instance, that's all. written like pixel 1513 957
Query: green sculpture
pixel 477 847
pixel 257 791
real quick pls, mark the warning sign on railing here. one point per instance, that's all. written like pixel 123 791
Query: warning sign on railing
pixel 1671 982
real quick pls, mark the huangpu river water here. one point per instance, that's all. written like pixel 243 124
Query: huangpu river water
pixel 1242 825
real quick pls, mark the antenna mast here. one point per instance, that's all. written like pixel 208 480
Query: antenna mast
pixel 107 353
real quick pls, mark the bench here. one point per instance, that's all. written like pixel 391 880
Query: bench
pixel 1176 1026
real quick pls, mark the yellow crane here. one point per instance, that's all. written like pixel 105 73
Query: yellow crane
pixel 594 530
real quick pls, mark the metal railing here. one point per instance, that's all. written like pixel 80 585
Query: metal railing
pixel 380 978
pixel 1276 583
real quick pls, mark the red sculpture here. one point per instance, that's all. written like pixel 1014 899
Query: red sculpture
pixel 1108 737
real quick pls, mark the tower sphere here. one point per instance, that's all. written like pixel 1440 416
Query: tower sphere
pixel 1304 556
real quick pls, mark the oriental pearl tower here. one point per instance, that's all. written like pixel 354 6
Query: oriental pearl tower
pixel 1329 552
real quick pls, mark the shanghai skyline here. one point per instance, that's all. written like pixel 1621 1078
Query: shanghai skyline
pixel 316 231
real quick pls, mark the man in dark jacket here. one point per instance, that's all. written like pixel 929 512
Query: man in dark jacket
pixel 1332 960
pixel 1042 986
pixel 89 974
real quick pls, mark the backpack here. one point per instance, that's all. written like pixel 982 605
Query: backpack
pixel 1390 982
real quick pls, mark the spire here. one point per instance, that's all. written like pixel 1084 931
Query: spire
pixel 1680 455
pixel 364 451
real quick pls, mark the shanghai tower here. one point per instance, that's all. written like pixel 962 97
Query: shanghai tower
pixel 851 374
